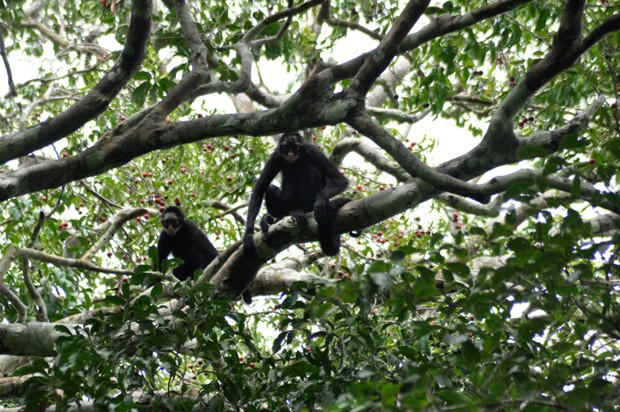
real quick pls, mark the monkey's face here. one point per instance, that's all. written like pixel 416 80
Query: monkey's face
pixel 290 146
pixel 171 223
pixel 290 153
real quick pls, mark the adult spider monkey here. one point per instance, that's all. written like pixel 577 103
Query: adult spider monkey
pixel 186 241
pixel 309 180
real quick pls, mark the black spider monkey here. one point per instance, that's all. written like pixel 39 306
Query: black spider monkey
pixel 186 241
pixel 309 180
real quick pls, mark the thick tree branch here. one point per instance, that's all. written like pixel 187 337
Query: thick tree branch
pixel 437 28
pixel 383 55
pixel 608 26
pixel 410 163
pixel 398 115
pixel 371 154
pixel 47 32
pixel 200 55
pixel 543 143
pixel 464 205
pixel 95 102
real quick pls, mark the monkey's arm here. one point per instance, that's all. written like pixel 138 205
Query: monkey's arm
pixel 202 241
pixel 269 172
pixel 163 248
pixel 336 181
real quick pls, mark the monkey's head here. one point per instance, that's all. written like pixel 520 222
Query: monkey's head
pixel 172 220
pixel 290 146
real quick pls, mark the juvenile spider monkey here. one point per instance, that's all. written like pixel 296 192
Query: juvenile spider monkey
pixel 309 180
pixel 186 241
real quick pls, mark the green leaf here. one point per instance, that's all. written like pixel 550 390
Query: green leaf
pixel 138 97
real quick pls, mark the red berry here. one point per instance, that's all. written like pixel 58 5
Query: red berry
pixel 251 364
pixel 123 117
pixel 65 154
pixel 147 216
pixel 170 182
pixel 592 161
pixel 109 254
pixel 177 201
pixel 168 119
pixel 44 198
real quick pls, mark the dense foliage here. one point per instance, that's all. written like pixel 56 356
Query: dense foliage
pixel 488 281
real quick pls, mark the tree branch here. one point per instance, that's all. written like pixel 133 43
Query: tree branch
pixel 381 57
pixel 410 163
pixel 96 101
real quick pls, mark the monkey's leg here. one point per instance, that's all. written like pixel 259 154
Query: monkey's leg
pixel 276 207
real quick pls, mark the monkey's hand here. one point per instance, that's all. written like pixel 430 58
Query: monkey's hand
pixel 299 217
pixel 266 221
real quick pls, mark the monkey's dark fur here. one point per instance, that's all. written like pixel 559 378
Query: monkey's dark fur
pixel 309 180
pixel 186 241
